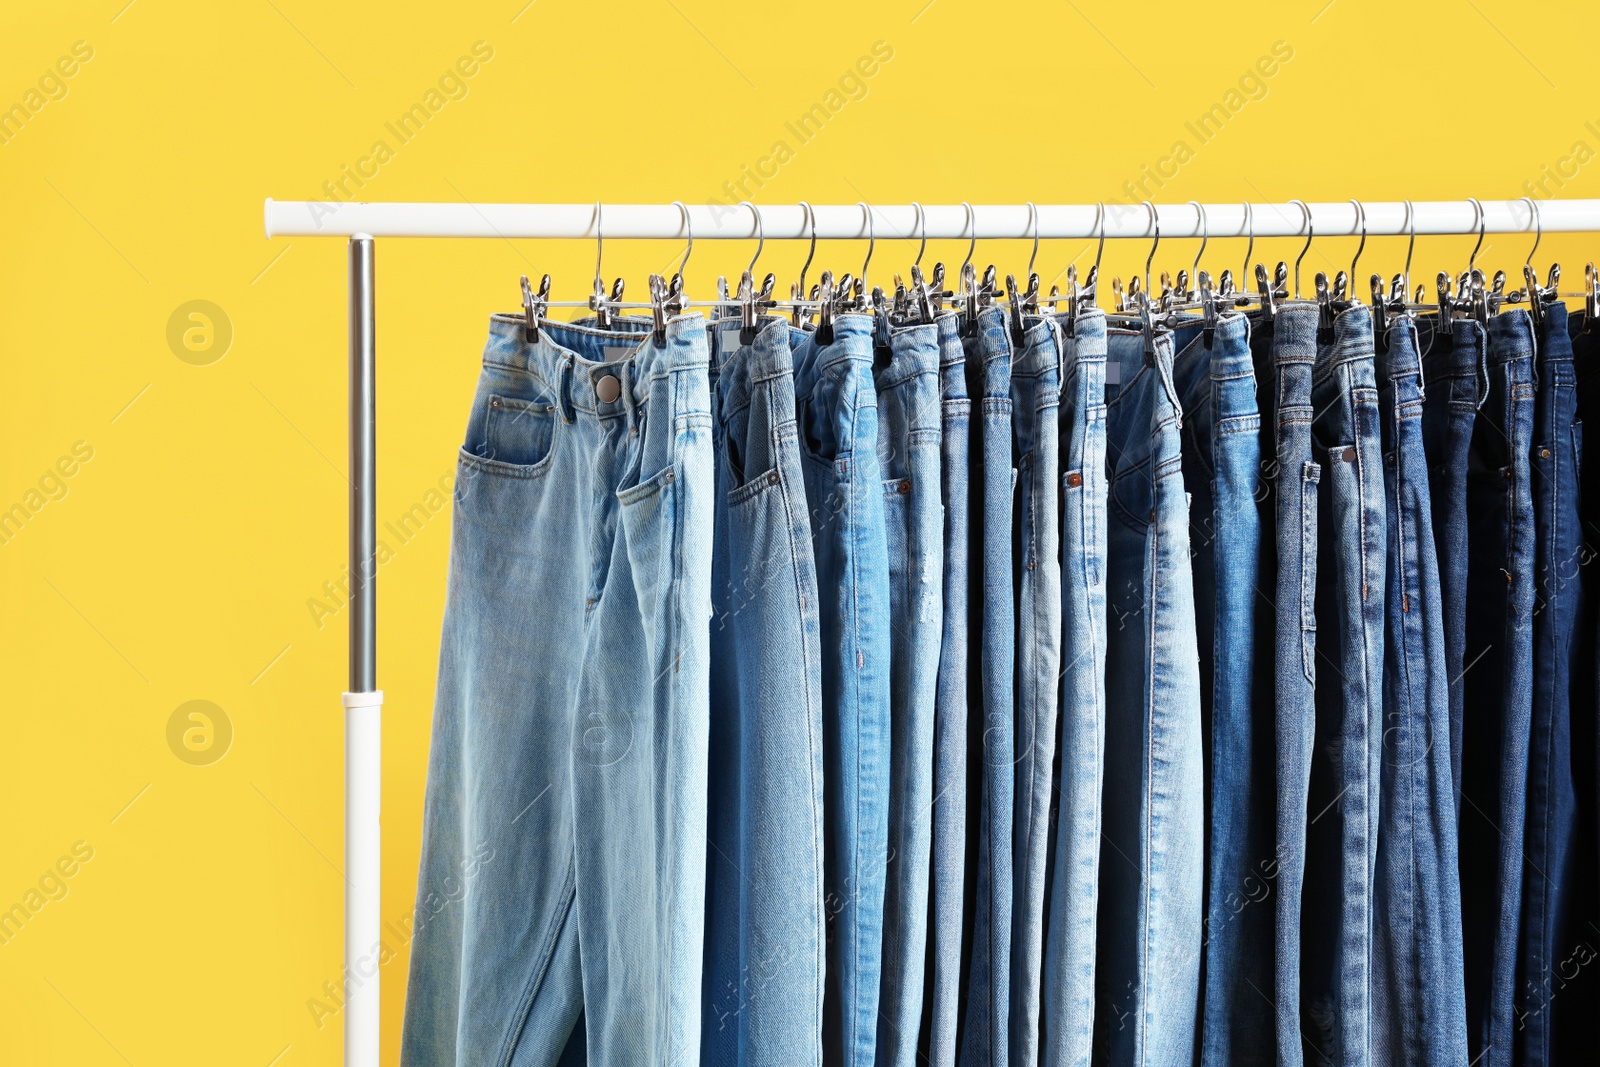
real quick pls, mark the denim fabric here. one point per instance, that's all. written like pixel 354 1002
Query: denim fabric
pixel 990 785
pixel 1499 686
pixel 1575 979
pixel 941 1015
pixel 1556 994
pixel 1036 399
pixel 1419 1003
pixel 1284 351
pixel 765 936
pixel 1453 365
pixel 908 458
pixel 1233 620
pixel 1341 836
pixel 837 410
pixel 563 853
pixel 1152 864
pixel 1067 1017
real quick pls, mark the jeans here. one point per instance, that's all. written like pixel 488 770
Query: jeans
pixel 990 760
pixel 1555 997
pixel 909 457
pixel 947 904
pixel 1419 1002
pixel 1336 925
pixel 1284 350
pixel 1453 364
pixel 1036 398
pixel 1233 615
pixel 1152 863
pixel 1499 685
pixel 837 411
pixel 563 852
pixel 765 936
pixel 1067 1017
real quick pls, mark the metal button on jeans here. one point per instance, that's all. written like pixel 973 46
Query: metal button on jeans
pixel 607 388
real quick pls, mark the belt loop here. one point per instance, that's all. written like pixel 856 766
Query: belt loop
pixel 1416 351
pixel 627 373
pixel 1483 366
pixel 564 385
pixel 1164 368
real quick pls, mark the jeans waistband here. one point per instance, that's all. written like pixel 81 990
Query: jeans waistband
pixel 1294 333
pixel 1084 340
pixel 570 360
pixel 742 368
pixel 1511 336
pixel 913 350
pixel 1351 340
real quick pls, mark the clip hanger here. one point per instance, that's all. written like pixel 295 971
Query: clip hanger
pixel 533 307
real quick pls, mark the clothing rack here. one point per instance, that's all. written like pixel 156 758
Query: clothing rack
pixel 362 223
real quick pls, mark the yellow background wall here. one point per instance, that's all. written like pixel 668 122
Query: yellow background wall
pixel 184 501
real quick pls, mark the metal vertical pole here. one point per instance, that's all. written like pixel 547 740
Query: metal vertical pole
pixel 364 702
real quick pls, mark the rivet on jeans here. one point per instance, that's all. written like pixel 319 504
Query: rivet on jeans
pixel 1074 479
pixel 904 487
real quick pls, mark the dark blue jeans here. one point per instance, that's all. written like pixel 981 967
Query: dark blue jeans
pixel 1557 984
pixel 1341 836
pixel 1419 1001
pixel 1498 691
pixel 990 756
pixel 1233 626
pixel 947 906
pixel 1453 366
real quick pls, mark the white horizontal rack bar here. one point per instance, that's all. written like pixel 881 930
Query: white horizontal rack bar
pixel 712 221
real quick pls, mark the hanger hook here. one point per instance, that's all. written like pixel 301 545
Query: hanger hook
pixel 1538 230
pixel 811 216
pixel 599 244
pixel 1472 260
pixel 1033 217
pixel 872 240
pixel 761 235
pixel 1361 221
pixel 1100 224
pixel 922 232
pixel 689 226
pixel 1205 237
pixel 1155 224
pixel 972 233
pixel 1250 225
pixel 1311 232
pixel 1411 231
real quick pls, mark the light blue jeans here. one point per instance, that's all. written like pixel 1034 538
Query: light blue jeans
pixel 909 415
pixel 563 852
pixel 941 1015
pixel 765 936
pixel 1284 351
pixel 1035 403
pixel 1067 1018
pixel 1233 623
pixel 1152 864
pixel 990 759
pixel 837 415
